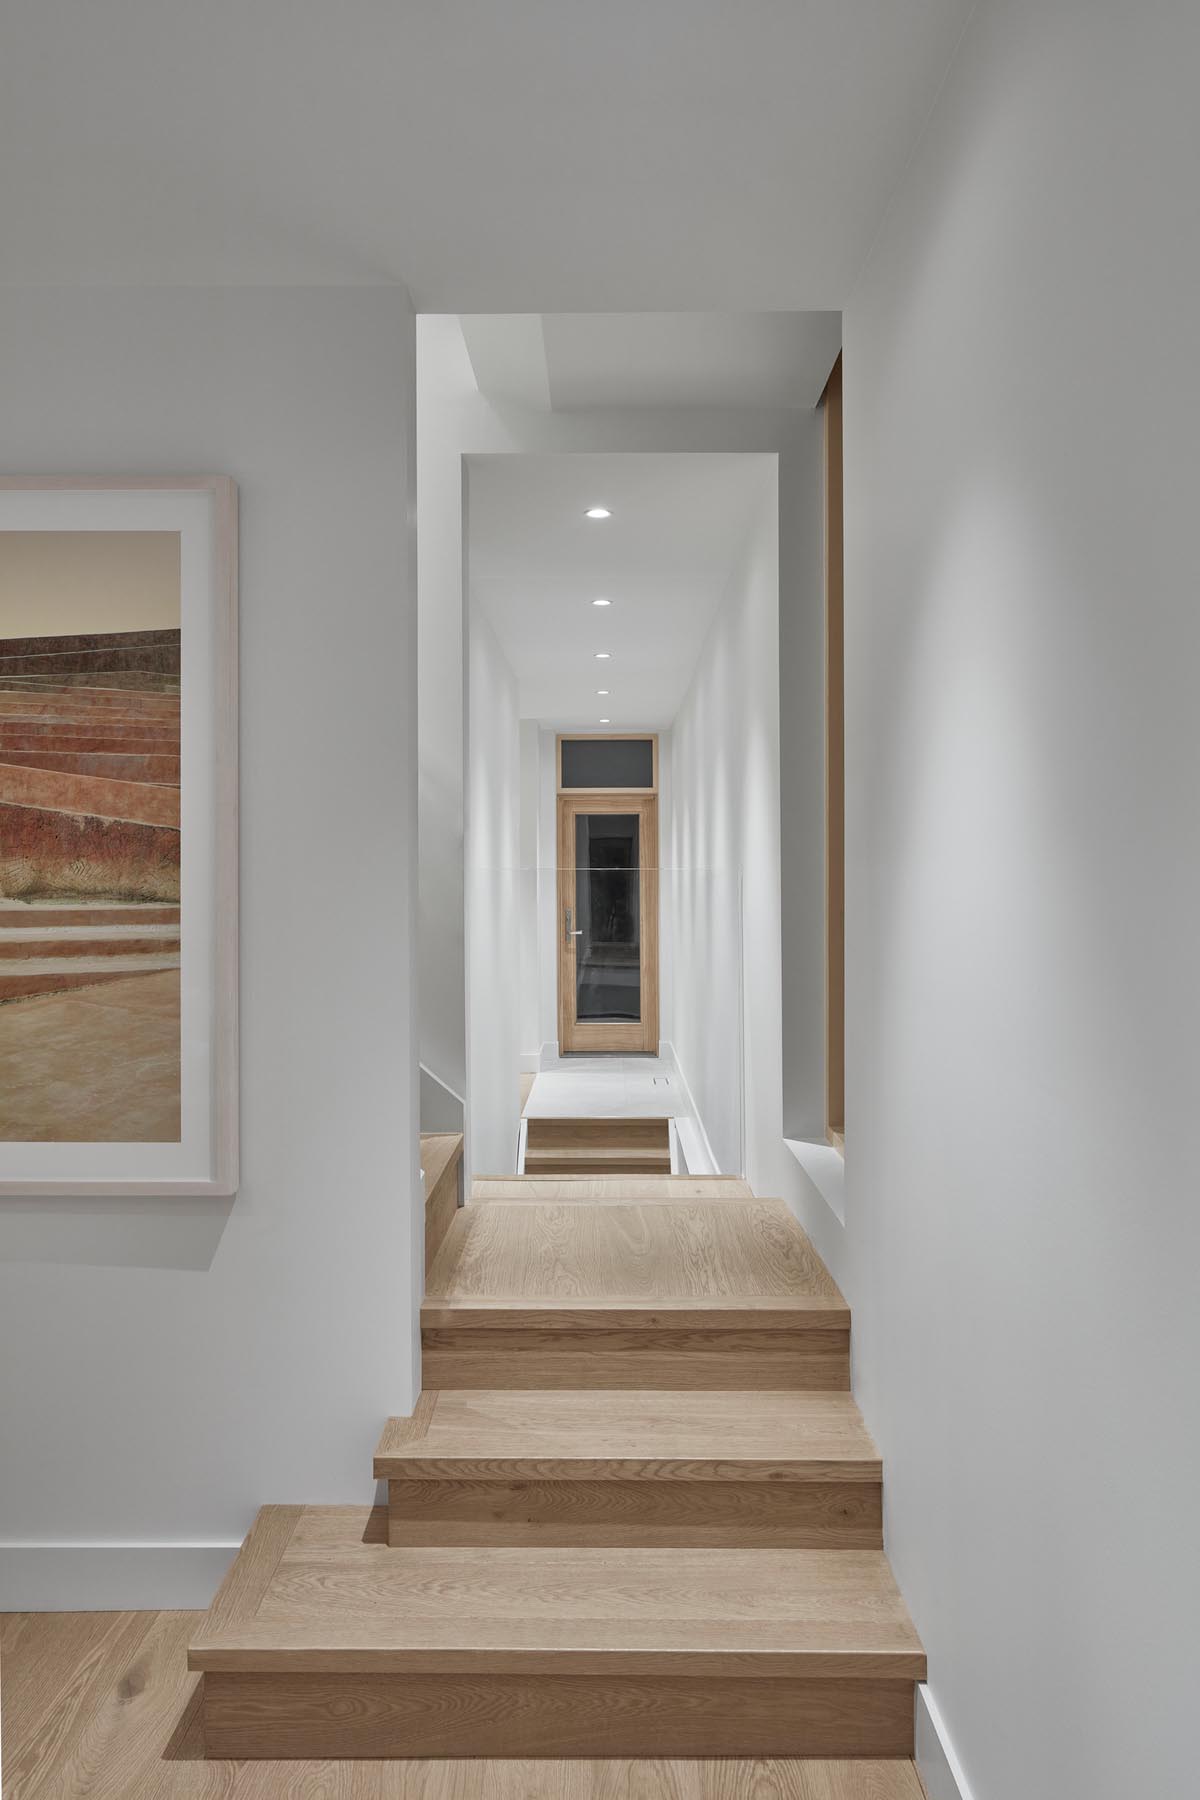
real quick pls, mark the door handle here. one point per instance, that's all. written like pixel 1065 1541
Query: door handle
pixel 568 934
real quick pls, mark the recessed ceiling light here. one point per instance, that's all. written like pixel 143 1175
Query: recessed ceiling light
pixel 603 655
pixel 597 512
pixel 606 721
pixel 604 692
pixel 601 602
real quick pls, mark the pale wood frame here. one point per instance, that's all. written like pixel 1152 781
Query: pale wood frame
pixel 619 737
pixel 835 769
pixel 642 1035
pixel 225 1077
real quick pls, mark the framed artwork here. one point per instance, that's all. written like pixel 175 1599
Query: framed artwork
pixel 118 836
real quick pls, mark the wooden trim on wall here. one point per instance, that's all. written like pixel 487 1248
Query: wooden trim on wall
pixel 619 737
pixel 835 768
pixel 628 1036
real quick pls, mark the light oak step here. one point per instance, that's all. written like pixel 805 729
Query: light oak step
pixel 441 1161
pixel 600 1467
pixel 642 1190
pixel 684 1295
pixel 326 1642
pixel 616 1146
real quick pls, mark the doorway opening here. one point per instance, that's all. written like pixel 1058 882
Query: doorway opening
pixel 608 890
pixel 620 558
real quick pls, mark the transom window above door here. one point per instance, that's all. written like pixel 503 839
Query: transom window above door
pixel 608 764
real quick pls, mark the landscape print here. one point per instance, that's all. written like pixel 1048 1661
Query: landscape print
pixel 89 836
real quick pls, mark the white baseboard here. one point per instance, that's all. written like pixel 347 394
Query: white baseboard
pixel 936 1759
pixel 531 1061
pixel 111 1577
pixel 693 1139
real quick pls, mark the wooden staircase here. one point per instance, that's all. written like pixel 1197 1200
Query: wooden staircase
pixel 635 1514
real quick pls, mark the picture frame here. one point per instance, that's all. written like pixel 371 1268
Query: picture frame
pixel 118 835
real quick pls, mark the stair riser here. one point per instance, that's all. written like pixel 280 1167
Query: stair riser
pixel 654 1357
pixel 610 1165
pixel 447 1715
pixel 656 1514
pixel 440 1207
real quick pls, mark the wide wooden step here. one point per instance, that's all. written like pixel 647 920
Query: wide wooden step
pixel 641 1190
pixel 601 1467
pixel 685 1295
pixel 619 1146
pixel 441 1163
pixel 326 1642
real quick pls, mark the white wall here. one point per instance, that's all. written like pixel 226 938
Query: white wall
pixel 530 1017
pixel 493 815
pixel 547 888
pixel 445 387
pixel 722 915
pixel 166 1366
pixel 1023 890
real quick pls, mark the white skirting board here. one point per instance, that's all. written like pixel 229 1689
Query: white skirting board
pixel 936 1759
pixel 693 1139
pixel 111 1577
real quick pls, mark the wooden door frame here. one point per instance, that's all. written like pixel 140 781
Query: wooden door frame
pixel 628 1036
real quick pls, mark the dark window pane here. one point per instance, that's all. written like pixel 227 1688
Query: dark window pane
pixel 607 763
pixel 608 949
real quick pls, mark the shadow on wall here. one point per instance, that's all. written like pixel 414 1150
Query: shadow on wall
pixel 138 1232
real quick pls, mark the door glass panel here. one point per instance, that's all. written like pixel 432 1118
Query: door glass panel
pixel 608 906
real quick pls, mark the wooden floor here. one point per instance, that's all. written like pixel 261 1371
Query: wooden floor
pixel 101 1705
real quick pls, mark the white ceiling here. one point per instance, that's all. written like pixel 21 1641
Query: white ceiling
pixel 664 559
pixel 530 154
pixel 564 361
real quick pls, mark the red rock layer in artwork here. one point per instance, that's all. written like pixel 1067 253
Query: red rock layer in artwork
pixel 89 766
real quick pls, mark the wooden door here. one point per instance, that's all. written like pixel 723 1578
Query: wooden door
pixel 607 922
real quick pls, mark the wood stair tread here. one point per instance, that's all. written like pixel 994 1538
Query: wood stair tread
pixel 338 1599
pixel 603 1434
pixel 685 1254
pixel 640 1190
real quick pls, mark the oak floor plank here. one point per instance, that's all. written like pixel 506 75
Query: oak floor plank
pixel 82 1687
